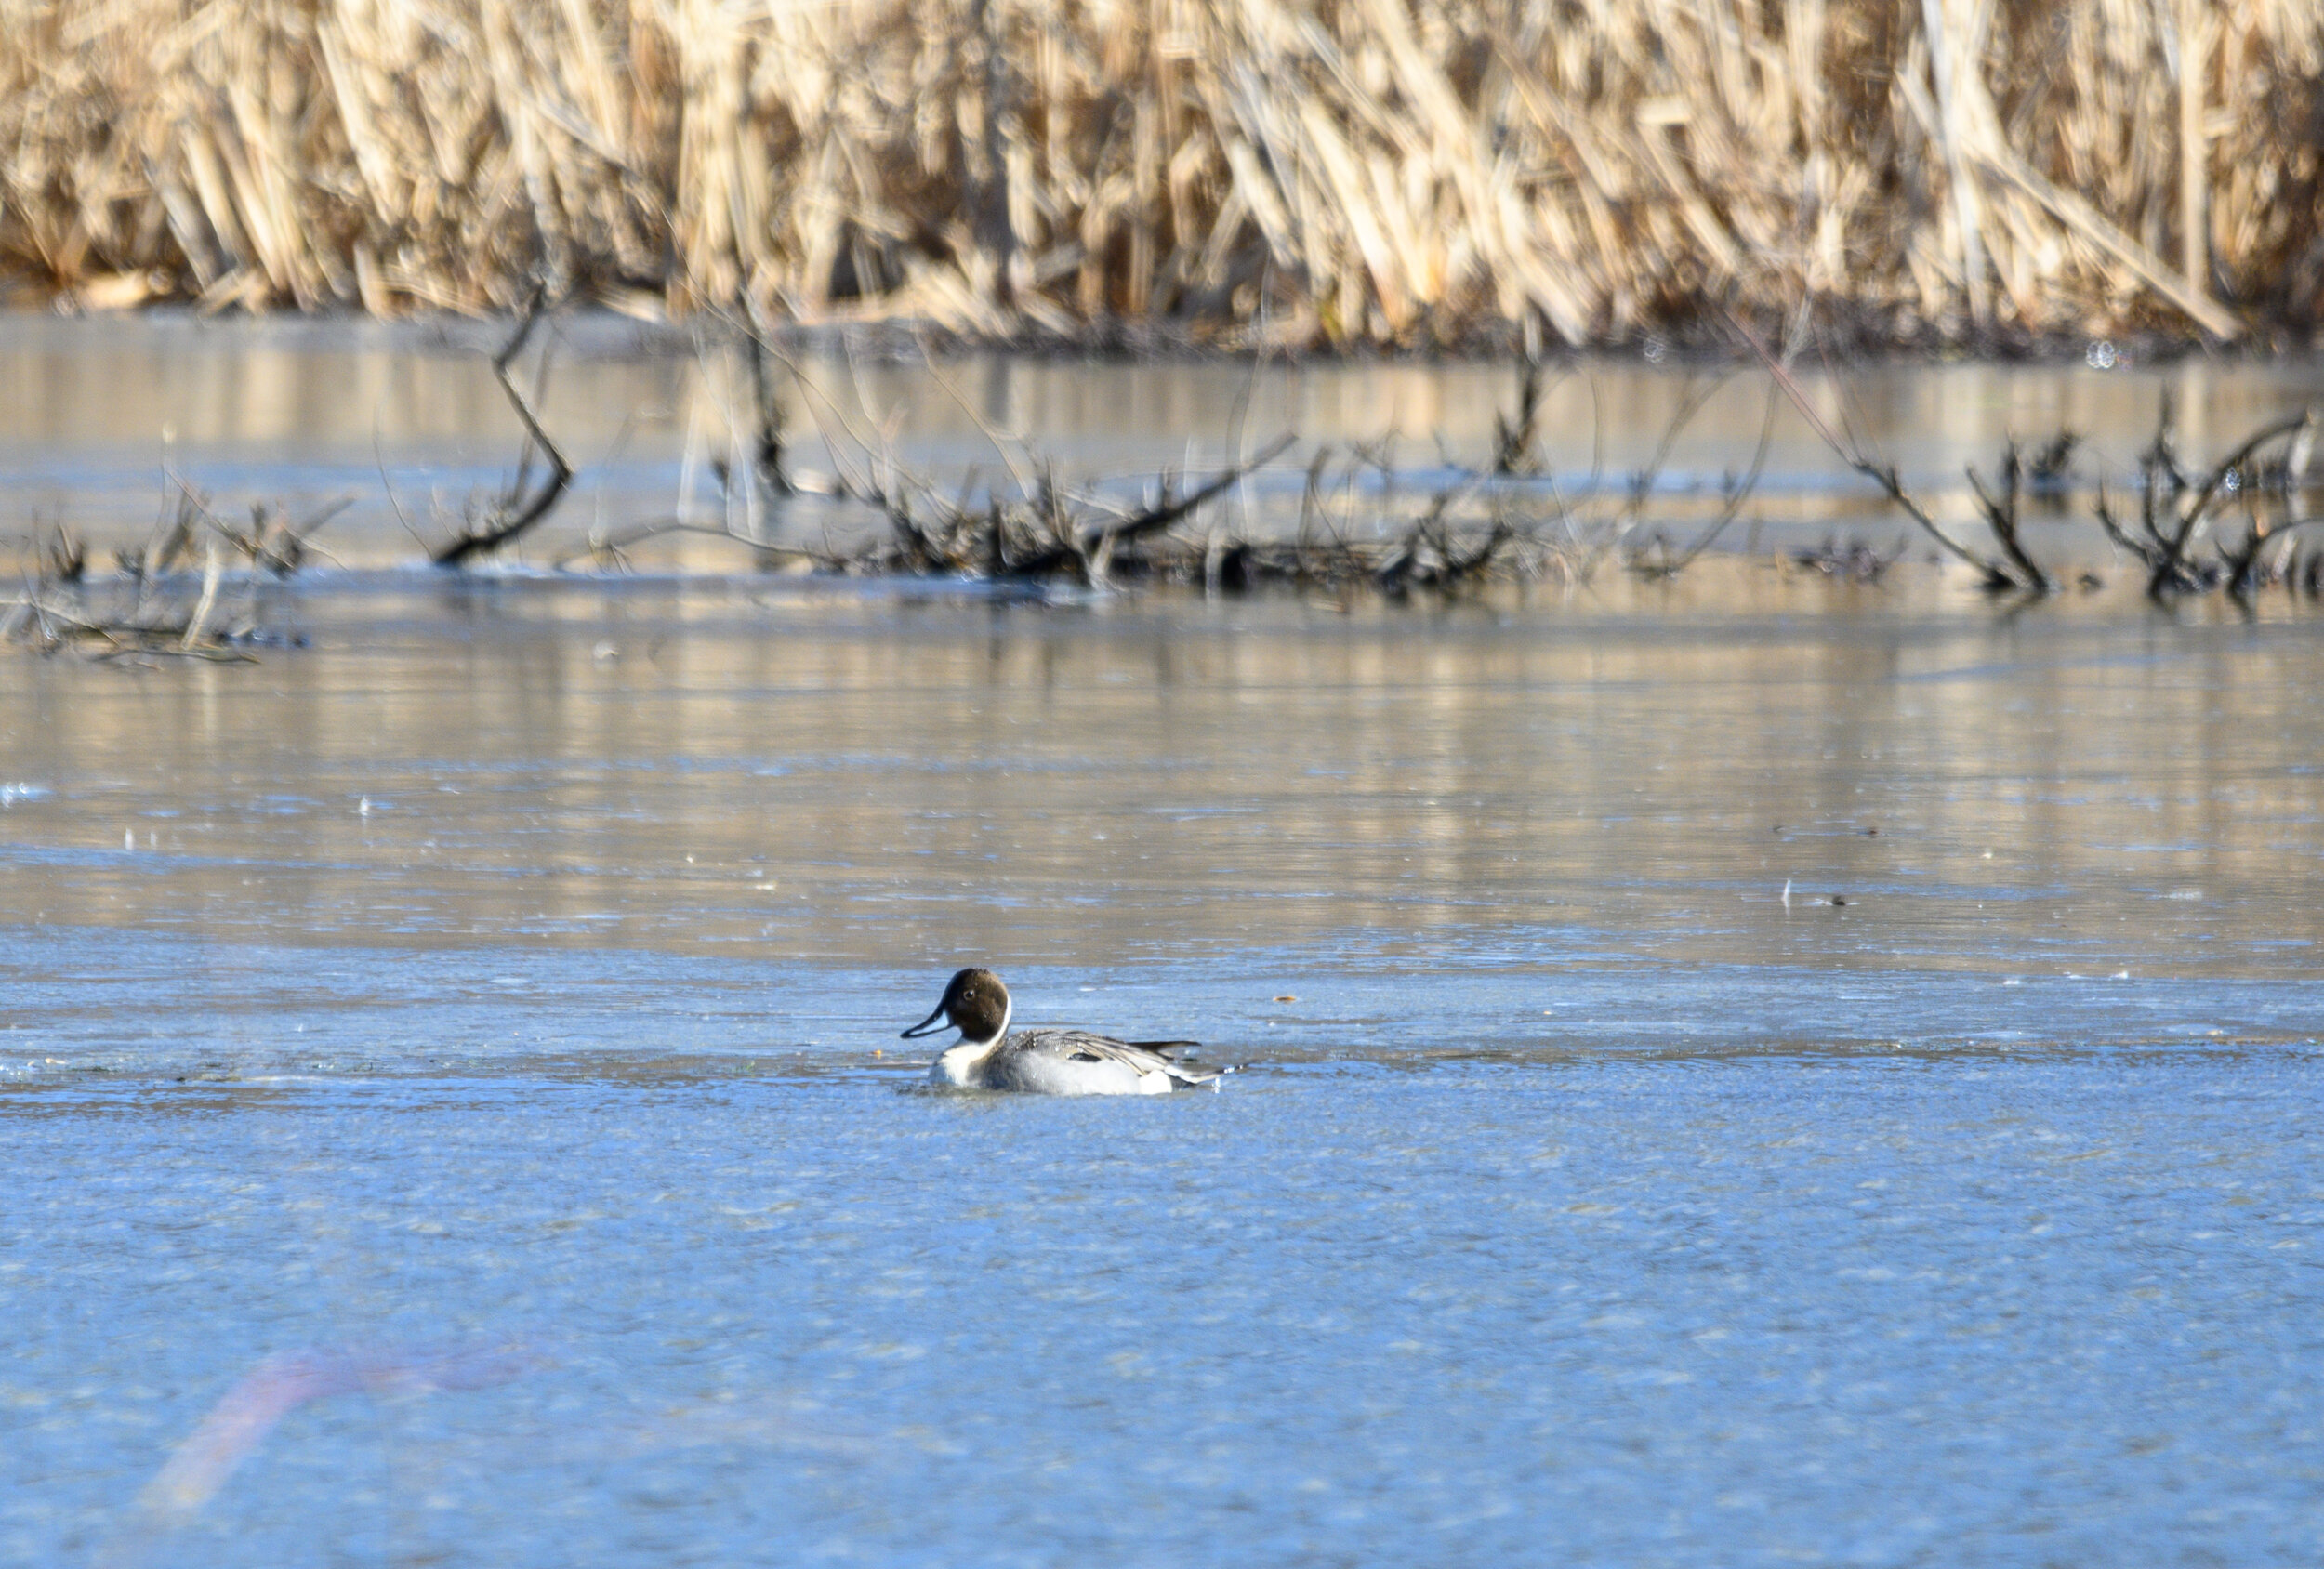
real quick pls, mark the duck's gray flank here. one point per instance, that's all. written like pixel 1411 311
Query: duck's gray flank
pixel 1046 1061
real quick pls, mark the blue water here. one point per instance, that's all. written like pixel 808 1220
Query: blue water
pixel 466 1060
pixel 1695 1309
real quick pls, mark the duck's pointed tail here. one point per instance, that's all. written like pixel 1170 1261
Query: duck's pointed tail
pixel 1187 1075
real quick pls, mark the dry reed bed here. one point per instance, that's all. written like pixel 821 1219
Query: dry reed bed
pixel 1292 172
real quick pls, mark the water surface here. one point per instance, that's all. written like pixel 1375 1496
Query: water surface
pixel 102 419
pixel 468 1042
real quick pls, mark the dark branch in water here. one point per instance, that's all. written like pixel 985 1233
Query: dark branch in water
pixel 200 586
pixel 2001 516
pixel 2169 534
pixel 766 404
pixel 1514 441
pixel 2171 572
pixel 1045 530
pixel 2103 509
pixel 1166 511
pixel 515 513
pixel 1996 576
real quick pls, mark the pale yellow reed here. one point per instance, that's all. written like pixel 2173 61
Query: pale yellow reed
pixel 1292 171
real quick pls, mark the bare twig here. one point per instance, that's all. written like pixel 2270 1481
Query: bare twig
pixel 2170 574
pixel 1885 475
pixel 2148 553
pixel 1738 491
pixel 614 546
pixel 2001 516
pixel 1166 511
pixel 515 513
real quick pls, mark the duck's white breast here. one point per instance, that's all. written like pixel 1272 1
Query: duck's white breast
pixel 963 1066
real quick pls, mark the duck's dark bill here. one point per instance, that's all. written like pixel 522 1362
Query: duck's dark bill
pixel 927 1026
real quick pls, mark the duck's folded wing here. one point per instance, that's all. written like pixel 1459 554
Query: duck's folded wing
pixel 1144 1056
pixel 1165 1048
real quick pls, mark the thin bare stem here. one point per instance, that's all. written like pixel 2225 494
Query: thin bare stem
pixel 517 514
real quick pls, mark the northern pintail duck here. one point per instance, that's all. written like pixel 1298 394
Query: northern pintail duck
pixel 1045 1062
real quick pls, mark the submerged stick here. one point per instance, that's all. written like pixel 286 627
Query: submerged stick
pixel 514 520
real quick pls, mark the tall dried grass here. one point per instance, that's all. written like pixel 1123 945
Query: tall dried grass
pixel 1297 171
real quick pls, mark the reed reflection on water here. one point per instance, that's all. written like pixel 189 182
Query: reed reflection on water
pixel 305 414
pixel 860 779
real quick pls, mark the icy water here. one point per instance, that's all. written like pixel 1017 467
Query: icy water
pixel 451 1111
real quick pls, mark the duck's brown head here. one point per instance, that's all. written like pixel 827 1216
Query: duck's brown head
pixel 975 1002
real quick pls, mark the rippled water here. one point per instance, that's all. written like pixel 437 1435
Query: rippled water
pixel 450 1110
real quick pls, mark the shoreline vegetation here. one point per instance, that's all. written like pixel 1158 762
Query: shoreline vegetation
pixel 1994 176
pixel 202 587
